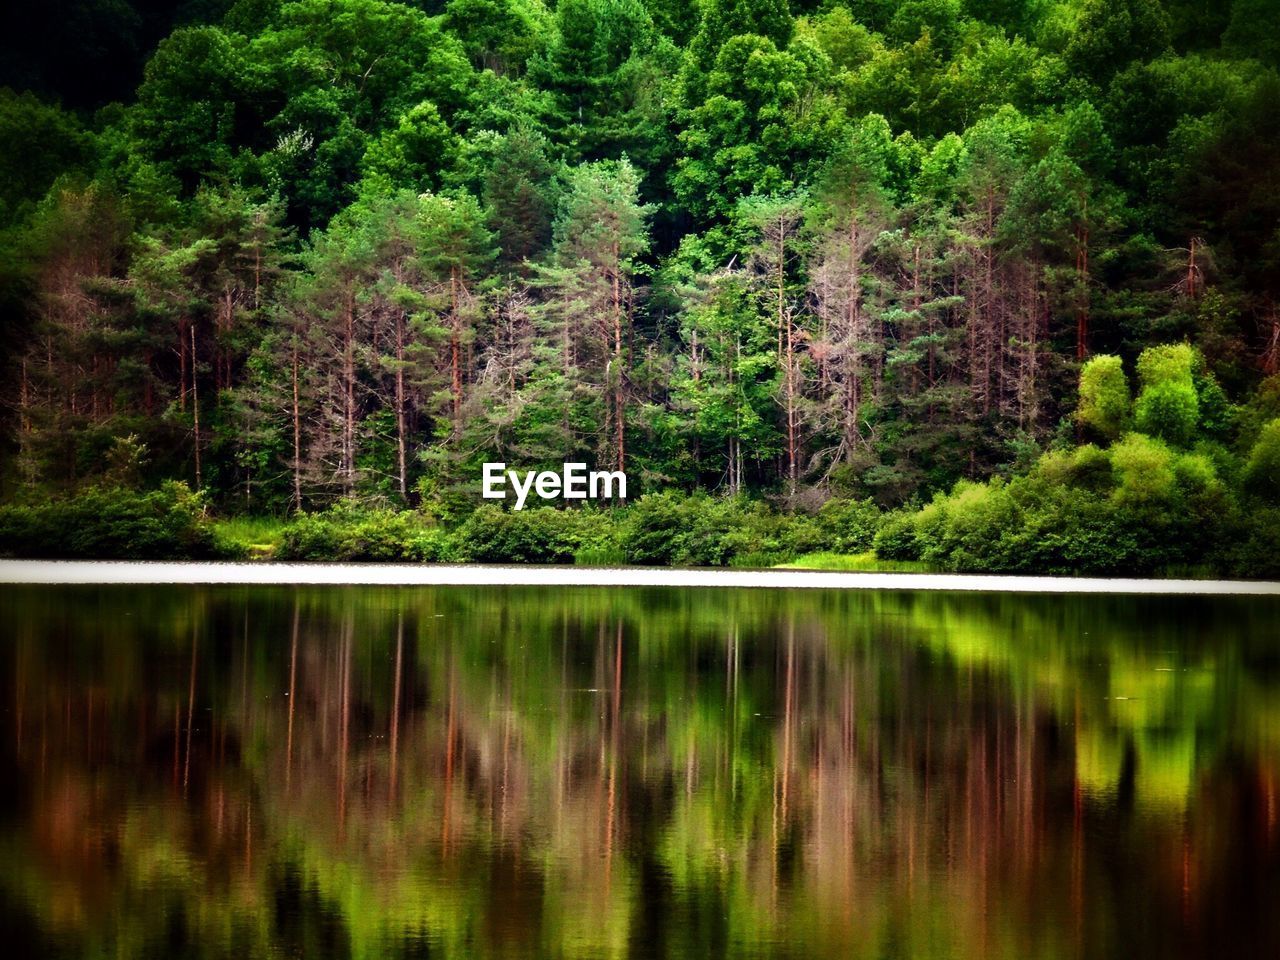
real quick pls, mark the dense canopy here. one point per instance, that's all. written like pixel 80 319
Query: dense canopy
pixel 294 252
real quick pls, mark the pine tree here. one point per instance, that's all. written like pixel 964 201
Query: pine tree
pixel 589 295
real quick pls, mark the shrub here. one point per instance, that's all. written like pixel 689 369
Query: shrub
pixel 967 530
pixel 1253 549
pixel 1168 406
pixel 115 523
pixel 349 533
pixel 674 529
pixel 658 527
pixel 848 526
pixel 1262 472
pixel 538 535
pixel 896 537
pixel 1104 396
pixel 1169 411
pixel 1144 472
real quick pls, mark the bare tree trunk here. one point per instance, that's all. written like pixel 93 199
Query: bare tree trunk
pixel 455 349
pixel 1082 308
pixel 1271 355
pixel 195 408
pixel 297 432
pixel 1192 271
pixel 619 403
pixel 791 407
pixel 401 440
pixel 853 343
pixel 349 400
pixel 182 365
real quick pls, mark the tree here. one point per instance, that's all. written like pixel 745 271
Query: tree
pixel 454 250
pixel 762 121
pixel 499 35
pixel 1104 396
pixel 589 294
pixel 605 67
pixel 1167 405
pixel 726 380
pixel 849 345
pixel 52 144
pixel 1262 472
pixel 723 20
pixel 773 223
pixel 519 193
pixel 1110 34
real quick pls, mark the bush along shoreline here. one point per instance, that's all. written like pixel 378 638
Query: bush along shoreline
pixel 1168 480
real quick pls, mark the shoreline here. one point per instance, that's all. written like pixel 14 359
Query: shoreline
pixel 156 573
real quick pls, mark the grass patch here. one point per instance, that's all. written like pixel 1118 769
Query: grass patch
pixel 252 537
pixel 853 561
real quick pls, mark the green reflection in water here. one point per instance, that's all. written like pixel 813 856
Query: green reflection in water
pixel 446 772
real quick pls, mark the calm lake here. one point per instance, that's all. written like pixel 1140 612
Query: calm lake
pixel 246 772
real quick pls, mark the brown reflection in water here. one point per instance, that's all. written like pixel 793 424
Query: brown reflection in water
pixel 638 773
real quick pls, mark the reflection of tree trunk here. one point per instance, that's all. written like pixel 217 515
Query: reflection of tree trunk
pixel 449 735
pixel 191 706
pixel 248 835
pixel 293 696
pixel 611 818
pixel 788 712
pixel 1077 845
pixel 344 729
pixel 395 703
pixel 177 740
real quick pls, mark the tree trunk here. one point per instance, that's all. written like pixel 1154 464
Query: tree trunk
pixel 195 408
pixel 1082 307
pixel 401 440
pixel 455 349
pixel 349 400
pixel 791 408
pixel 297 432
pixel 619 403
pixel 182 365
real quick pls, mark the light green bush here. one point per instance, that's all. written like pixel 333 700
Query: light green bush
pixel 1104 397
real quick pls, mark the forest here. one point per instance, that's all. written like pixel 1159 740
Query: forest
pixel 977 284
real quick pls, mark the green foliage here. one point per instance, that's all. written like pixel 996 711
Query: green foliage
pixel 1104 396
pixel 1139 507
pixel 1113 33
pixel 348 532
pixel 164 524
pixel 896 538
pixel 1262 472
pixel 355 248
pixel 38 144
pixel 538 535
pixel 849 526
pixel 1167 405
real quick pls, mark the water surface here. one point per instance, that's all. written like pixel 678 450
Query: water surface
pixel 221 771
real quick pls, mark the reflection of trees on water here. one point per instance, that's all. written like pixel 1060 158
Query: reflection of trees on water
pixel 475 772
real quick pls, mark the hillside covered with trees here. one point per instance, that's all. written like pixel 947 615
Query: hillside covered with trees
pixel 988 268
